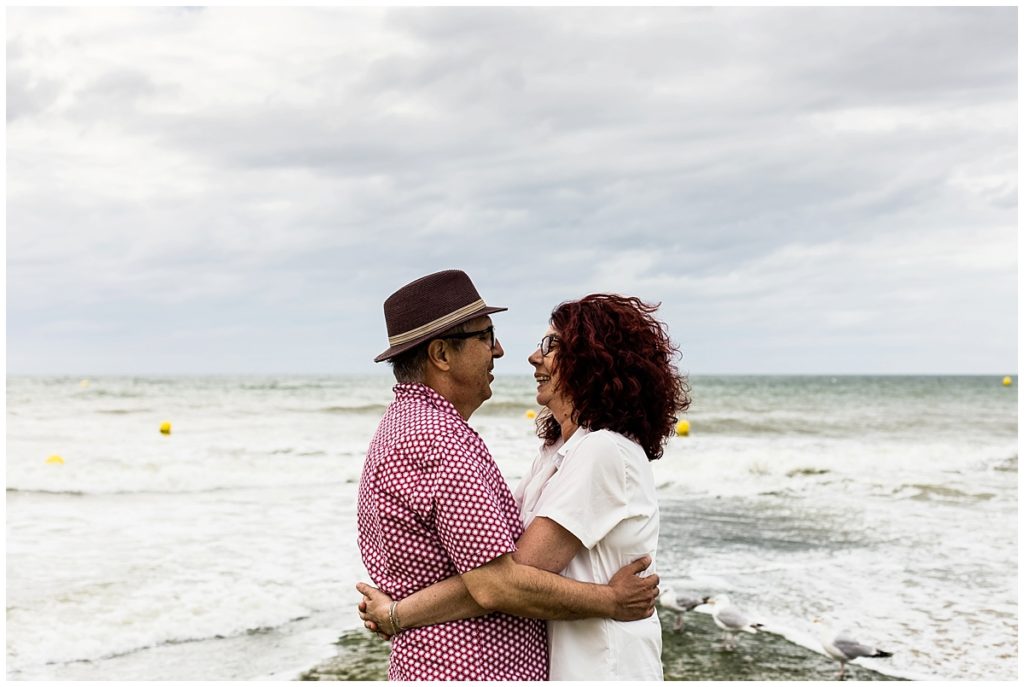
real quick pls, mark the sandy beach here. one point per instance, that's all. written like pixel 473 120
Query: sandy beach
pixel 691 654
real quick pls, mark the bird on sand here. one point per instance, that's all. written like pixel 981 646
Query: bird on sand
pixel 731 619
pixel 680 603
pixel 843 647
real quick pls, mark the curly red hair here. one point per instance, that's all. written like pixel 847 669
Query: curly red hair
pixel 615 363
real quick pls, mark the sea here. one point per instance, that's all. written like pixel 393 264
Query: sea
pixel 225 549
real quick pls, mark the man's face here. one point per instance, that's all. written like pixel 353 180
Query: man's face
pixel 471 368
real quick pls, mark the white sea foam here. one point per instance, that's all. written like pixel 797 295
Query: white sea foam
pixel 138 571
pixel 889 501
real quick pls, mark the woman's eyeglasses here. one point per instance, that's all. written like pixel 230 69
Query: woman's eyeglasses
pixel 489 332
pixel 546 343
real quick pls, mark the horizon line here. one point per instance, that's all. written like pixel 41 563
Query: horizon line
pixel 384 373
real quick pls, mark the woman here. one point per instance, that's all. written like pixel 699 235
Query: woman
pixel 611 393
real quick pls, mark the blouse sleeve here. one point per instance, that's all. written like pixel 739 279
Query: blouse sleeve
pixel 588 495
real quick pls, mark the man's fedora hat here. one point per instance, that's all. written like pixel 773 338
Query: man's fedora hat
pixel 433 304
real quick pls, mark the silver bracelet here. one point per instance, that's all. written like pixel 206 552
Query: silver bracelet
pixel 394 618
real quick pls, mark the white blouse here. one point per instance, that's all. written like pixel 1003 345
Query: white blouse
pixel 599 486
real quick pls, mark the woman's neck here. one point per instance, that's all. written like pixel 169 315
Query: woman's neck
pixel 563 415
pixel 568 429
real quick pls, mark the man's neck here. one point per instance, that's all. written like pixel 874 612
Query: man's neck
pixel 443 386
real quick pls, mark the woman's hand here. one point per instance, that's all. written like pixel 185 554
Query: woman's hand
pixel 634 595
pixel 373 610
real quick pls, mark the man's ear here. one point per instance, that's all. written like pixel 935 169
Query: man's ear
pixel 438 354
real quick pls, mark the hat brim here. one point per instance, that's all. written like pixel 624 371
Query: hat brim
pixel 402 348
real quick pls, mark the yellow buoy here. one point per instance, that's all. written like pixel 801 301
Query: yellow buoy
pixel 1007 381
pixel 530 414
pixel 683 429
pixel 165 428
pixel 54 460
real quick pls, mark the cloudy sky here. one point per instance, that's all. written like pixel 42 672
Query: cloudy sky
pixel 232 190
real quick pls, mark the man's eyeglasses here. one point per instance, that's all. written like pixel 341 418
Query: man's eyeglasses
pixel 489 332
pixel 546 343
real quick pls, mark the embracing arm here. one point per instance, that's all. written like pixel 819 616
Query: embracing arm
pixel 521 584
pixel 441 602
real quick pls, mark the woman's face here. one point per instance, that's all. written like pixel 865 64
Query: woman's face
pixel 543 372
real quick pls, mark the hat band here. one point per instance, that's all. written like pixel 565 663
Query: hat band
pixel 439 324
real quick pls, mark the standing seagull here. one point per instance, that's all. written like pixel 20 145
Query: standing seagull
pixel 731 619
pixel 680 603
pixel 843 648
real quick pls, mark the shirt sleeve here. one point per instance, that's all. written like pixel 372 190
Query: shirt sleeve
pixel 588 495
pixel 471 514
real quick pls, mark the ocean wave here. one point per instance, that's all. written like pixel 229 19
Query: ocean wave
pixel 502 408
pixel 939 492
pixel 288 386
pixel 118 492
pixel 123 393
pixel 292 451
pixel 757 426
pixel 176 641
pixel 834 425
pixel 507 408
pixel 807 472
pixel 1008 465
pixel 100 491
pixel 355 410
pixel 52 492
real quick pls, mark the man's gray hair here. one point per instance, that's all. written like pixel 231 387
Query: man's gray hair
pixel 410 367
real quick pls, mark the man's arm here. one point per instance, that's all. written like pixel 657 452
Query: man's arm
pixel 441 602
pixel 522 583
pixel 510 584
pixel 506 586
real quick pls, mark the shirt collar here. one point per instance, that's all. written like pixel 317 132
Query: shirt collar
pixel 425 393
pixel 562 451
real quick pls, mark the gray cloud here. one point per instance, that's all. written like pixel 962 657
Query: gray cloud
pixel 819 179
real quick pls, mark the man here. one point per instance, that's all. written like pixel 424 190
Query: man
pixel 433 504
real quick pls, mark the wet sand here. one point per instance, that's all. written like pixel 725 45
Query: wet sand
pixel 692 654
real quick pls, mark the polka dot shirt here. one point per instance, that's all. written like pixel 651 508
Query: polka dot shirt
pixel 432 504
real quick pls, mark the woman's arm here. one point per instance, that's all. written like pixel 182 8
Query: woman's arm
pixel 519 585
pixel 546 545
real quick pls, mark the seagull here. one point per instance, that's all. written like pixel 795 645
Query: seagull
pixel 730 619
pixel 680 603
pixel 842 647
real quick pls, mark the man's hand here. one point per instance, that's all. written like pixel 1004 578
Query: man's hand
pixel 634 595
pixel 373 610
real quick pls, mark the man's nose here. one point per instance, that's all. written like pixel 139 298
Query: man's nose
pixel 496 350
